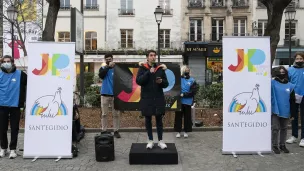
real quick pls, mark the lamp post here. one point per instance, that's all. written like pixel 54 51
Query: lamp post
pixel 12 15
pixel 254 29
pixel 158 17
pixel 290 14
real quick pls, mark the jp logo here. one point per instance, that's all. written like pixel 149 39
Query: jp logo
pixel 55 63
pixel 253 58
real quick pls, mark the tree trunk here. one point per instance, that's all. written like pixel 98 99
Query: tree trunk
pixel 275 9
pixel 50 24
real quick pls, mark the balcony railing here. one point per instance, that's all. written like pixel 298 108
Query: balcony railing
pixel 240 3
pixel 199 37
pixel 126 11
pixel 93 7
pixel 126 45
pixel 65 7
pixel 168 12
pixel 217 3
pixel 240 34
pixel 217 36
pixel 196 3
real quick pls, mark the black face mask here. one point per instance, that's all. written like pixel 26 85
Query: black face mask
pixel 300 64
pixel 281 76
pixel 186 73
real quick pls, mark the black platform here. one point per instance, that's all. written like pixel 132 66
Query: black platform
pixel 140 155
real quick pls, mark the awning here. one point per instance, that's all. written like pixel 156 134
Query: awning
pixel 284 52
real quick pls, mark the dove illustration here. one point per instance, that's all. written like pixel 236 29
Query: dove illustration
pixel 50 104
pixel 248 100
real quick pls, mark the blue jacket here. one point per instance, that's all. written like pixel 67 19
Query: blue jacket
pixel 188 89
pixel 282 98
pixel 296 77
pixel 106 74
pixel 12 88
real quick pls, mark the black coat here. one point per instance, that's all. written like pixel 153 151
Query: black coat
pixel 152 99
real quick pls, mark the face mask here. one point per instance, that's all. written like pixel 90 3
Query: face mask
pixel 299 63
pixel 281 76
pixel 186 73
pixel 6 65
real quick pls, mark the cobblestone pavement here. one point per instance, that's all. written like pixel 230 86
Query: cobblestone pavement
pixel 201 151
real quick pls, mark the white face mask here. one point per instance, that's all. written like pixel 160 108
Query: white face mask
pixel 6 65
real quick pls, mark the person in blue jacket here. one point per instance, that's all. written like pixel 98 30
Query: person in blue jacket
pixel 188 90
pixel 12 97
pixel 296 77
pixel 107 98
pixel 282 105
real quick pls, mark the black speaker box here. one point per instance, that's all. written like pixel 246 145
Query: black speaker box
pixel 104 147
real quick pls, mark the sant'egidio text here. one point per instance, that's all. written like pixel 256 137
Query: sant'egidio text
pixel 48 127
pixel 247 124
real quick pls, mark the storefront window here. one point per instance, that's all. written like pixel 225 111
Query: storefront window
pixel 215 64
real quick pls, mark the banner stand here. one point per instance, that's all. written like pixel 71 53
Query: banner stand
pixel 235 155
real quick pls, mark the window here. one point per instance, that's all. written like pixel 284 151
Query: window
pixel 165 38
pixel 292 30
pixel 165 4
pixel 91 4
pixel 261 27
pixel 64 37
pixel 217 3
pixel 217 29
pixel 90 40
pixel 65 4
pixel 126 38
pixel 195 30
pixel 239 27
pixel 126 7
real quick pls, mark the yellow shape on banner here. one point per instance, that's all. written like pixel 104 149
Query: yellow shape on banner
pixel 68 77
pixel 265 73
pixel 174 106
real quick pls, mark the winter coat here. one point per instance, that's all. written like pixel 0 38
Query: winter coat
pixel 152 99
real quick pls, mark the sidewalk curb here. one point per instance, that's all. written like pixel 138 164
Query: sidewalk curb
pixel 168 129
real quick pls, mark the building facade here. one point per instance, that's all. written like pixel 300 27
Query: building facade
pixel 205 22
pixel 297 35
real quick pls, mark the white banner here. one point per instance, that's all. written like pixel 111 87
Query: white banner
pixel 49 102
pixel 247 95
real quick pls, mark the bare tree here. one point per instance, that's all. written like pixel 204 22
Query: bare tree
pixel 275 10
pixel 49 31
pixel 28 22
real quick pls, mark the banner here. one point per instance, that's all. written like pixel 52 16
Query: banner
pixel 49 102
pixel 127 92
pixel 247 95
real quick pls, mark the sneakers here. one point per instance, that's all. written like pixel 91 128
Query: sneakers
pixel 13 154
pixel 162 145
pixel 276 150
pixel 292 140
pixel 178 135
pixel 150 144
pixel 3 152
pixel 116 134
pixel 284 149
pixel 302 143
pixel 185 135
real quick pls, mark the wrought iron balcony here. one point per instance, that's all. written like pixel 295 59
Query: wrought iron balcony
pixel 126 11
pixel 199 37
pixel 217 3
pixel 65 7
pixel 126 45
pixel 168 12
pixel 240 34
pixel 92 7
pixel 240 3
pixel 196 3
pixel 217 36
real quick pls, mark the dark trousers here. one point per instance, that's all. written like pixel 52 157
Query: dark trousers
pixel 12 115
pixel 159 126
pixel 186 113
pixel 75 129
pixel 295 122
pixel 278 127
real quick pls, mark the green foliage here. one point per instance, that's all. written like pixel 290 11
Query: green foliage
pixel 88 80
pixel 210 95
pixel 92 96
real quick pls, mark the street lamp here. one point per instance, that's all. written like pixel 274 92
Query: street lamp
pixel 254 29
pixel 290 14
pixel 158 17
pixel 12 15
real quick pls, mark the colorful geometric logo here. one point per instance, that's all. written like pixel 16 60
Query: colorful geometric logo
pixel 134 96
pixel 36 110
pixel 54 64
pixel 253 58
pixel 235 107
